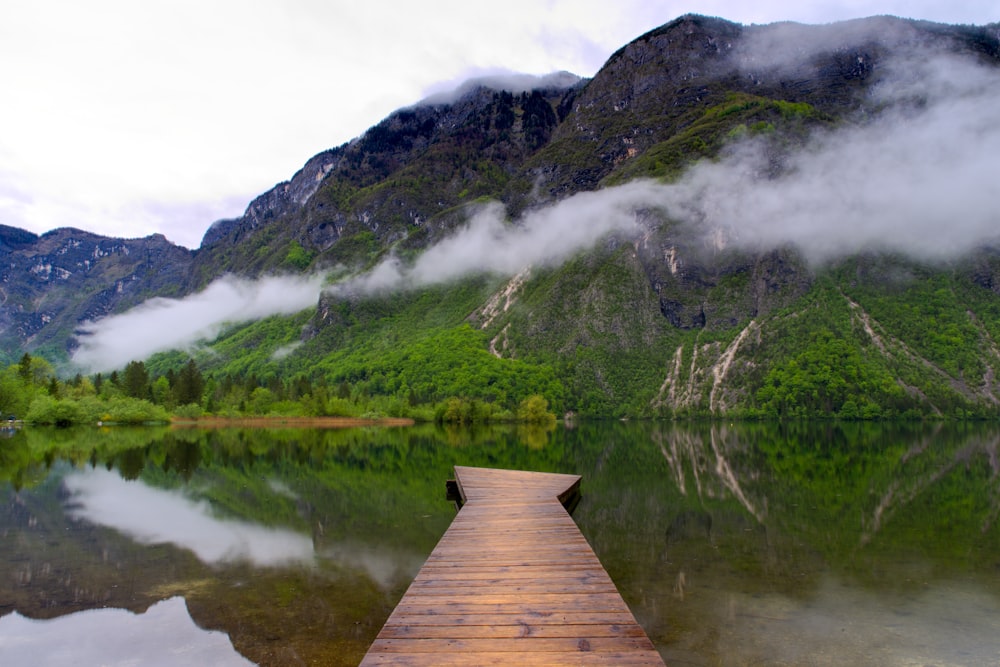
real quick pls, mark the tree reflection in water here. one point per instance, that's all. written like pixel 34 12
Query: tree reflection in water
pixel 868 544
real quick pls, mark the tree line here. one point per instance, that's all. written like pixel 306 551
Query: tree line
pixel 30 390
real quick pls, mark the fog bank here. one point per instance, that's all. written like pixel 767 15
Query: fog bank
pixel 161 324
pixel 920 179
pixel 491 243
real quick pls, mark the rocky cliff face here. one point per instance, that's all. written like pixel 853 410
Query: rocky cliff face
pixel 397 179
pixel 280 201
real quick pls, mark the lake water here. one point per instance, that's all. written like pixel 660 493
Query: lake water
pixel 859 544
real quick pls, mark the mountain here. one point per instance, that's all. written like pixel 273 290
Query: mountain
pixel 53 282
pixel 698 139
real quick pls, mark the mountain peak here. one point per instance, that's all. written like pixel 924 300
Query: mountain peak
pixel 511 82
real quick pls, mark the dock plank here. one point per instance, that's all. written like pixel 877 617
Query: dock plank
pixel 512 581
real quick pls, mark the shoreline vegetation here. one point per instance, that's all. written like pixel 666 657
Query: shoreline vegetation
pixel 32 393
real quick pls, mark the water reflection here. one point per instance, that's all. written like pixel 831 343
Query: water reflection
pixel 803 544
pixel 862 544
pixel 295 543
pixel 385 565
pixel 157 516
pixel 944 624
pixel 163 636
pixel 707 461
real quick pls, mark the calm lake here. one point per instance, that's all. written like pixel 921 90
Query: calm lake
pixel 745 544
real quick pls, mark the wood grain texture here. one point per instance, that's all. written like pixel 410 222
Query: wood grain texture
pixel 512 582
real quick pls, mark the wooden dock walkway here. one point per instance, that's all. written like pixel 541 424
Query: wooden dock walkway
pixel 512 582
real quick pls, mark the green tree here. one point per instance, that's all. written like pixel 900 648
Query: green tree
pixel 24 368
pixel 535 410
pixel 161 390
pixel 261 400
pixel 189 385
pixel 47 410
pixel 34 370
pixel 136 380
pixel 298 257
pixel 15 395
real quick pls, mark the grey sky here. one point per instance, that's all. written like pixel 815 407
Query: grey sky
pixel 128 118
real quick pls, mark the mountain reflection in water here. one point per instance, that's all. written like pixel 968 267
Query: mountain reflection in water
pixel 791 544
pixel 163 636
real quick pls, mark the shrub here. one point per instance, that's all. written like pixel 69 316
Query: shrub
pixel 123 410
pixel 189 411
pixel 535 410
pixel 48 410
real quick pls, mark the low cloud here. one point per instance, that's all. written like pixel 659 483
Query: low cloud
pixel 285 351
pixel 489 243
pixel 512 82
pixel 162 324
pixel 787 46
pixel 920 179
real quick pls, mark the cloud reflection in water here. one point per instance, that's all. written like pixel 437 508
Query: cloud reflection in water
pixel 164 636
pixel 156 516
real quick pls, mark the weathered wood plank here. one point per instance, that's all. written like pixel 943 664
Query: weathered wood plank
pixel 485 576
pixel 512 581
pixel 553 618
pixel 457 590
pixel 508 604
pixel 511 631
pixel 491 645
pixel 521 659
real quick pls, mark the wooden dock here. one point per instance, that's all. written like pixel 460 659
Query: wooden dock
pixel 512 582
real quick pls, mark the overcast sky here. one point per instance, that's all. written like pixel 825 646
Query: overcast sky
pixel 128 118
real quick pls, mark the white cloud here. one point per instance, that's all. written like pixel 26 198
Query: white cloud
pixel 162 324
pixel 489 243
pixel 285 350
pixel 920 179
